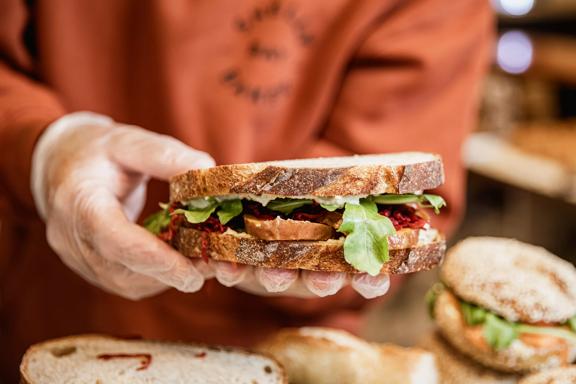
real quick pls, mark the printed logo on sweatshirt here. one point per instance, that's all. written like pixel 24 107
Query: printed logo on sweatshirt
pixel 275 34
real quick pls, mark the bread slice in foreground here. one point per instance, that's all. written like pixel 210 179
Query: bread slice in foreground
pixel 313 355
pixel 564 375
pixel 359 175
pixel 97 359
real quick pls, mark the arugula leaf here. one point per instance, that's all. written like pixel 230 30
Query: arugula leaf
pixel 397 199
pixel 196 216
pixel 426 200
pixel 366 246
pixel 435 201
pixel 286 206
pixel 156 222
pixel 331 207
pixel 572 323
pixel 499 333
pixel 431 297
pixel 473 314
pixel 229 209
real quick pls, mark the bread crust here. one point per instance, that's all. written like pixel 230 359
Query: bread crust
pixel 273 179
pixel 518 281
pixel 455 368
pixel 25 379
pixel 326 256
pixel 519 357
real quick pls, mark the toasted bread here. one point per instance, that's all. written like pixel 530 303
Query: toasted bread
pixel 365 175
pixel 407 254
pixel 565 375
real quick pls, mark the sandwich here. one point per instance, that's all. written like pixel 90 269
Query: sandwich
pixel 102 359
pixel 564 375
pixel 316 355
pixel 508 305
pixel 352 214
pixel 456 368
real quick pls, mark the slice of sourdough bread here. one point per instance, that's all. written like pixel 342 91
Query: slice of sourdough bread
pixel 97 359
pixel 365 175
pixel 314 355
pixel 410 251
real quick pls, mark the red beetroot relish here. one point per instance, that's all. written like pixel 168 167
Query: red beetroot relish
pixel 402 216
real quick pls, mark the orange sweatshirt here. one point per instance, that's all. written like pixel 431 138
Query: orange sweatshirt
pixel 242 80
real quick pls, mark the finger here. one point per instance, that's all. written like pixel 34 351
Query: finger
pixel 229 274
pixel 117 279
pixel 323 283
pixel 204 268
pixel 118 240
pixel 276 280
pixel 134 202
pixel 152 154
pixel 371 286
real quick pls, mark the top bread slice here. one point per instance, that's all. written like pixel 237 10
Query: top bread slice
pixel 74 360
pixel 518 281
pixel 316 355
pixel 359 175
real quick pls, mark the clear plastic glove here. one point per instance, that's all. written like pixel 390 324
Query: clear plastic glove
pixel 89 179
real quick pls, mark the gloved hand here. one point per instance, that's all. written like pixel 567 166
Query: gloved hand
pixel 89 179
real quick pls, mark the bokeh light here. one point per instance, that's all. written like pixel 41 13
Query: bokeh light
pixel 514 52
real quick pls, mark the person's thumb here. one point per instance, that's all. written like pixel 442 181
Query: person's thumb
pixel 149 153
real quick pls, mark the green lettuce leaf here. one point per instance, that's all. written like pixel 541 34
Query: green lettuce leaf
pixel 426 200
pixel 435 201
pixel 431 297
pixel 196 216
pixel 473 314
pixel 551 331
pixel 331 207
pixel 156 222
pixel 229 209
pixel 366 244
pixel 499 333
pixel 572 323
pixel 286 206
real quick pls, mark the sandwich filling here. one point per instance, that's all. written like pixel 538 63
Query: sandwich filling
pixel 366 223
pixel 499 333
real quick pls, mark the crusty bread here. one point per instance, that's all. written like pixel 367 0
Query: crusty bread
pixel 566 375
pixel 314 355
pixel 455 368
pixel 327 256
pixel 74 360
pixel 518 357
pixel 322 177
pixel 518 281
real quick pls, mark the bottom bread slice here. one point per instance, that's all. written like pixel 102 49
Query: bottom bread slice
pixel 97 359
pixel 326 256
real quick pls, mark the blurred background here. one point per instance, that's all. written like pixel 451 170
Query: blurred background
pixel 521 162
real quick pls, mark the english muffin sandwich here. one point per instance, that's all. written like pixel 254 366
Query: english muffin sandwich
pixel 508 305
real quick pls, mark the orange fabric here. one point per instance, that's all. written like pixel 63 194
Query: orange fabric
pixel 242 80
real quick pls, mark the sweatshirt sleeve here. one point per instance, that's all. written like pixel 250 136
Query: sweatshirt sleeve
pixel 26 106
pixel 414 84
